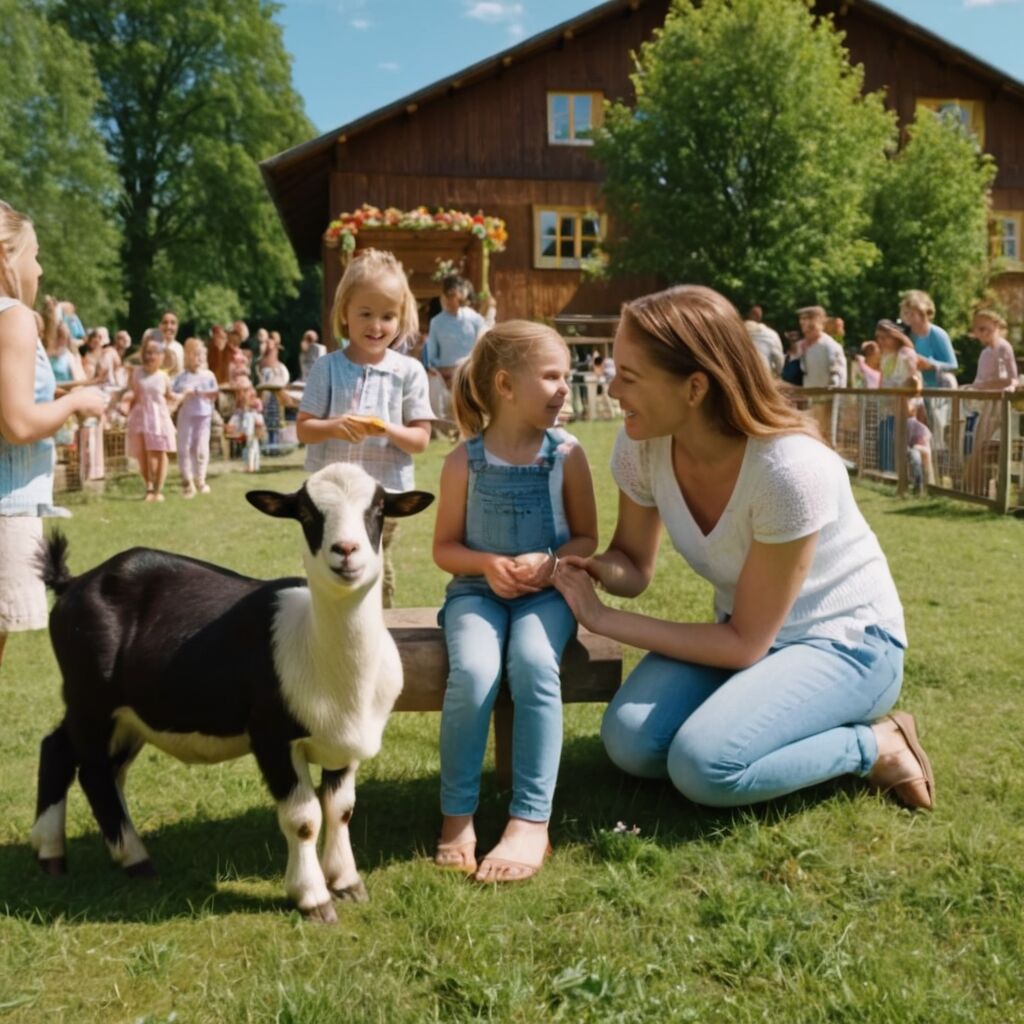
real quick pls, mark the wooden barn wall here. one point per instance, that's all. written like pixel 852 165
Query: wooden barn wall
pixel 498 127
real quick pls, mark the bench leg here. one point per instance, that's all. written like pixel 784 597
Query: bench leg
pixel 503 744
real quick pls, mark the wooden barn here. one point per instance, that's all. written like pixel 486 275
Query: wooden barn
pixel 510 136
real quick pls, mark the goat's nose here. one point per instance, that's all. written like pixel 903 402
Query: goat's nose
pixel 345 548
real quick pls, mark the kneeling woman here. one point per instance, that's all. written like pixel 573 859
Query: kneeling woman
pixel 788 687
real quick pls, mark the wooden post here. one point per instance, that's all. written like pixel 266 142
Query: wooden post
pixel 899 444
pixel 1005 454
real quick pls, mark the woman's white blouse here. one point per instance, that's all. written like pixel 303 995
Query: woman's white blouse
pixel 789 486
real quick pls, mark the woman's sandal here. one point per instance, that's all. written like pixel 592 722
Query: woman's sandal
pixel 459 857
pixel 889 776
pixel 526 871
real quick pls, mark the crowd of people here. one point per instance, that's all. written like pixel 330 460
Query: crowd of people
pixel 910 353
pixel 793 682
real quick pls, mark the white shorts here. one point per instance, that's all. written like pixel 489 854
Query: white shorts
pixel 22 594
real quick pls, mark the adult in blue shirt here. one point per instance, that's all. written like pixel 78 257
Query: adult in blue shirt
pixel 934 349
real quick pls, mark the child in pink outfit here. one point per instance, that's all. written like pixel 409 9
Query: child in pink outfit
pixel 150 430
pixel 198 389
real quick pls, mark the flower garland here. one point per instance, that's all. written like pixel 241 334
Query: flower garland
pixel 342 230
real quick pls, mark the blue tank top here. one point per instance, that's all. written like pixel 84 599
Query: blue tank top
pixel 26 470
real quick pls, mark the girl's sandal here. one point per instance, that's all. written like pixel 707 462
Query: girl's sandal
pixel 459 857
pixel 523 871
pixel 889 776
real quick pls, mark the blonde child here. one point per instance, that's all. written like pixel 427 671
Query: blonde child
pixel 247 426
pixel 367 403
pixel 515 497
pixel 198 389
pixel 149 428
pixel 997 371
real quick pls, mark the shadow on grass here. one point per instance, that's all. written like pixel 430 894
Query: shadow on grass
pixel 206 865
pixel 942 510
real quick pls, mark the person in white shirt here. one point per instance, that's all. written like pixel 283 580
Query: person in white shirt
pixel 823 362
pixel 786 688
pixel 766 341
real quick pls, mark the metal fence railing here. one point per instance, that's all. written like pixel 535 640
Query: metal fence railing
pixel 972 449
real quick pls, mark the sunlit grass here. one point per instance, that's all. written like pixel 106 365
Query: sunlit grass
pixel 832 905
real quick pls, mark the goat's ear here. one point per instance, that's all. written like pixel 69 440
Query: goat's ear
pixel 406 504
pixel 282 506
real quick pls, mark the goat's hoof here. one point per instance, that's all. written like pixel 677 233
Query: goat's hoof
pixel 53 866
pixel 355 893
pixel 141 869
pixel 323 914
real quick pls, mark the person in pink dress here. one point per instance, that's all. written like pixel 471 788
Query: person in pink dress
pixel 150 430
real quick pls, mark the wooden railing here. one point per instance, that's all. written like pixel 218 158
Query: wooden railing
pixel 975 453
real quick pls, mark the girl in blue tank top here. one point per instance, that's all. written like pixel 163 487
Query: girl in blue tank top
pixel 515 497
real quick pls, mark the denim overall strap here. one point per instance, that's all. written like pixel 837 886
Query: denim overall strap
pixel 475 453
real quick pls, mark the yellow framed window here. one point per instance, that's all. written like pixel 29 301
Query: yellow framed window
pixel 563 236
pixel 572 117
pixel 1006 237
pixel 969 114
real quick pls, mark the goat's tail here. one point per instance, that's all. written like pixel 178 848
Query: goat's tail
pixel 53 566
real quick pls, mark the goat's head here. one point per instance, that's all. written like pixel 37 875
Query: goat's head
pixel 341 510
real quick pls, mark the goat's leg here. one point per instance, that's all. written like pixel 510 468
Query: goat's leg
pixel 96 774
pixel 298 813
pixel 57 765
pixel 338 799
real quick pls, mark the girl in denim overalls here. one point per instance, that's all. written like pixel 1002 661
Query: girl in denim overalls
pixel 515 497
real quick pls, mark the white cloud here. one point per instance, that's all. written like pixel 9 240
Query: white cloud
pixel 988 3
pixel 495 11
pixel 388 65
pixel 516 30
pixel 359 23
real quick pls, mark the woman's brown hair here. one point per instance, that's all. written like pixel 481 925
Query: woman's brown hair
pixel 692 329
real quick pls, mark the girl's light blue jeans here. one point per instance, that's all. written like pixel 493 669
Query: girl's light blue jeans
pixel 797 717
pixel 526 637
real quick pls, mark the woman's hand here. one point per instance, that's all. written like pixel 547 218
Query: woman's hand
pixel 573 583
pixel 501 575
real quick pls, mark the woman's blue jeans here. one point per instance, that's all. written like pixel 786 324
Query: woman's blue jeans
pixel 526 637
pixel 796 718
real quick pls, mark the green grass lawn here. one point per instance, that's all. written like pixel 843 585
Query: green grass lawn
pixel 832 905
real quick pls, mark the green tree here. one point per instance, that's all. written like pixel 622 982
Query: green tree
pixel 930 223
pixel 748 160
pixel 53 165
pixel 195 93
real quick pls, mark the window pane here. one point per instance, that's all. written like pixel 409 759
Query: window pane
pixel 591 227
pixel 587 246
pixel 567 248
pixel 568 228
pixel 548 247
pixel 581 109
pixel 548 222
pixel 559 116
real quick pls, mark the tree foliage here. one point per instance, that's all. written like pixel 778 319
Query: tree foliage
pixel 930 222
pixel 749 158
pixel 53 164
pixel 195 92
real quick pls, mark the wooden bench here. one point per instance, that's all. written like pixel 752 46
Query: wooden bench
pixel 591 673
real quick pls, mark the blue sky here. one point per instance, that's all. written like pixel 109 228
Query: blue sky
pixel 353 56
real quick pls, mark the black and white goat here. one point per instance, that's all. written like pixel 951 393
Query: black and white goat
pixel 208 665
